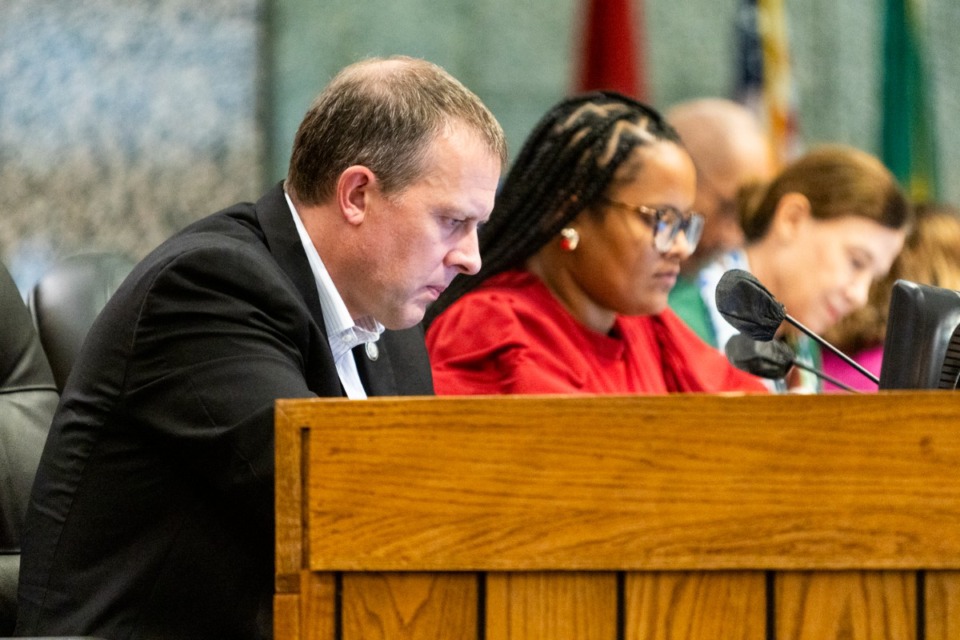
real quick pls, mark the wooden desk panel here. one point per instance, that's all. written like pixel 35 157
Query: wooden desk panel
pixel 543 606
pixel 846 604
pixel 696 605
pixel 688 499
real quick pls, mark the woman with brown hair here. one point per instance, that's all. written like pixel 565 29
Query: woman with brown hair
pixel 828 225
pixel 931 255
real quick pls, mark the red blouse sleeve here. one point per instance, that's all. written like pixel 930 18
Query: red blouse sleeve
pixel 488 343
pixel 690 364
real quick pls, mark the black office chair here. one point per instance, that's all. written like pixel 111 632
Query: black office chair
pixel 28 398
pixel 66 301
pixel 49 331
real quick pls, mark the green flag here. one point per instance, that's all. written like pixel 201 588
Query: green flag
pixel 908 145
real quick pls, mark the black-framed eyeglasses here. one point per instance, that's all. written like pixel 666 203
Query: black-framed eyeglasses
pixel 667 223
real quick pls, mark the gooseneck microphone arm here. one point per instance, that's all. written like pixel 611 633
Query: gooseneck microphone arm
pixel 749 306
pixel 771 360
pixel 824 376
pixel 823 343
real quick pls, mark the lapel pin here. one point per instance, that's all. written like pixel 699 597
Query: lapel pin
pixel 373 352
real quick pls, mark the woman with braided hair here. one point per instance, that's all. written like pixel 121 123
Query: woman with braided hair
pixel 581 250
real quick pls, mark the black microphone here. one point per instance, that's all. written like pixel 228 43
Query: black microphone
pixel 748 306
pixel 753 310
pixel 771 359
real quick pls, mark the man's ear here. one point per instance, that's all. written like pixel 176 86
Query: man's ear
pixel 792 213
pixel 354 189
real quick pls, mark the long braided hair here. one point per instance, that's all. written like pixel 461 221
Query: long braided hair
pixel 565 166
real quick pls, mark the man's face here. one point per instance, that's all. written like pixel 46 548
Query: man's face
pixel 417 240
pixel 745 163
pixel 717 202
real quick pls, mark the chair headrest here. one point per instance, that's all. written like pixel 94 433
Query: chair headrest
pixel 67 300
pixel 22 360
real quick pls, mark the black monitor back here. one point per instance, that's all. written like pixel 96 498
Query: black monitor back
pixel 922 345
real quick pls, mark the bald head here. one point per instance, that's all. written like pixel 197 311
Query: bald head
pixel 729 149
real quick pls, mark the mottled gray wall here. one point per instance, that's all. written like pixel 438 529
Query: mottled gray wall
pixel 121 121
pixel 515 54
pixel 518 56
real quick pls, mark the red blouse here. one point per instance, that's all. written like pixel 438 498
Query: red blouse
pixel 510 335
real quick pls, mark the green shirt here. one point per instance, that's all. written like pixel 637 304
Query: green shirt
pixel 686 302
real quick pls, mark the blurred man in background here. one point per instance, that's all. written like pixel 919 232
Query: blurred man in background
pixel 730 151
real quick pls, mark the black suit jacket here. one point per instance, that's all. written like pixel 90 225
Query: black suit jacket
pixel 152 512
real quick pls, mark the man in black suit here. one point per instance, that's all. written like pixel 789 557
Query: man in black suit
pixel 152 512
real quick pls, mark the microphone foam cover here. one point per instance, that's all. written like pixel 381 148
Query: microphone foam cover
pixel 771 359
pixel 748 306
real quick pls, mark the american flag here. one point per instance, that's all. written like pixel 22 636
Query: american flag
pixel 763 80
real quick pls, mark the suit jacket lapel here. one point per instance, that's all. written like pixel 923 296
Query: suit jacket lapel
pixel 401 367
pixel 284 243
pixel 376 374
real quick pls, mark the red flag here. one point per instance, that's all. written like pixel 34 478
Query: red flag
pixel 610 57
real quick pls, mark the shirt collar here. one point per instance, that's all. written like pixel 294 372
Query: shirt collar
pixel 343 332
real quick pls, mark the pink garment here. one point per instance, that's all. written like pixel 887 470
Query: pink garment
pixel 833 366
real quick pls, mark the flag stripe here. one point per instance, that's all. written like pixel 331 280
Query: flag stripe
pixel 610 58
pixel 764 82
pixel 907 141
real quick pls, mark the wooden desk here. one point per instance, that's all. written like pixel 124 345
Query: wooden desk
pixel 694 517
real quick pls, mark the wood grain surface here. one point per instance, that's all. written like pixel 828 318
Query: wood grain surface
pixel 696 605
pixel 606 483
pixel 846 604
pixel 942 598
pixel 543 606
pixel 381 606
pixel 698 517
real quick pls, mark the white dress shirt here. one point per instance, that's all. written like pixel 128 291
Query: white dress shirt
pixel 343 332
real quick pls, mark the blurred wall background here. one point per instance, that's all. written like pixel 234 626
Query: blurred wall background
pixel 122 121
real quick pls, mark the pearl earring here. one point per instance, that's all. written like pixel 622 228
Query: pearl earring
pixel 569 239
